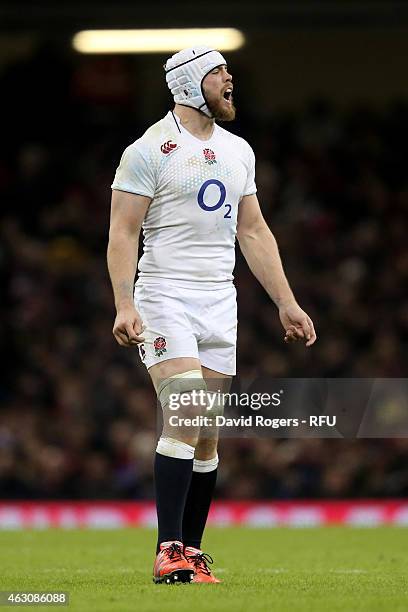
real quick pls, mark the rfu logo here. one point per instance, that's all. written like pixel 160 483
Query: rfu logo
pixel 168 147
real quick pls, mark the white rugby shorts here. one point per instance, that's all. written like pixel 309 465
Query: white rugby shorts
pixel 183 322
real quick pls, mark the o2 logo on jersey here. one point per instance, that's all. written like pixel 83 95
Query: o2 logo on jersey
pixel 221 200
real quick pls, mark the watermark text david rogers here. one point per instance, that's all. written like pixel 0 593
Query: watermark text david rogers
pixel 252 421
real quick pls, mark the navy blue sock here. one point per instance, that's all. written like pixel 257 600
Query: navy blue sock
pixel 197 507
pixel 172 480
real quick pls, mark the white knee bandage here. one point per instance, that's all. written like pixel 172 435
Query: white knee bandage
pixel 205 466
pixel 180 383
pixel 169 447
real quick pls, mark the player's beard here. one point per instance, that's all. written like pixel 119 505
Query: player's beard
pixel 220 110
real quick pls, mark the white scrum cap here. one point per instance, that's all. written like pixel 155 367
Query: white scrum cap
pixel 185 72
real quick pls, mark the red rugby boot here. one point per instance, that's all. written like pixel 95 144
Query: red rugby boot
pixel 199 561
pixel 171 566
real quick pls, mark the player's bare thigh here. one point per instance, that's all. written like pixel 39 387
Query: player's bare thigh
pixel 169 367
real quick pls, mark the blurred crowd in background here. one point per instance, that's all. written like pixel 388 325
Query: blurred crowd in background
pixel 78 414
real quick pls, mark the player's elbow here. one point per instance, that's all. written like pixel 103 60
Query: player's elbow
pixel 250 233
pixel 244 236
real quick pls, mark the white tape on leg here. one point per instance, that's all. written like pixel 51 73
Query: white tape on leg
pixel 208 465
pixel 169 447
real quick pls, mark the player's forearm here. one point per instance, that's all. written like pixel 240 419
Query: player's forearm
pixel 261 252
pixel 122 265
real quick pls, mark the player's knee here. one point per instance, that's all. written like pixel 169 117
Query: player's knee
pixel 206 448
pixel 182 397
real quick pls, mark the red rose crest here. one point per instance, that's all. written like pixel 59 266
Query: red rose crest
pixel 159 345
pixel 209 156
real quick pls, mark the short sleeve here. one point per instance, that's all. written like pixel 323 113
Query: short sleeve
pixel 250 185
pixel 135 174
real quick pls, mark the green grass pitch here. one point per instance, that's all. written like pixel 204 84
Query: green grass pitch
pixel 316 569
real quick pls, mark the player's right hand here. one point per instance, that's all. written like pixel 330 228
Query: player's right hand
pixel 128 326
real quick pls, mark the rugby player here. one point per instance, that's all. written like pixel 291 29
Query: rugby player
pixel 190 184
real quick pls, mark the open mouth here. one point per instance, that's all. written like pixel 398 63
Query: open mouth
pixel 228 95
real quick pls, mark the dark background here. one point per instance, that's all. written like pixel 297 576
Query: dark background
pixel 322 97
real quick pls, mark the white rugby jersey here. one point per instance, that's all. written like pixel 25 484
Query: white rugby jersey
pixel 196 186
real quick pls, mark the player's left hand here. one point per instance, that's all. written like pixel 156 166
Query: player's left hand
pixel 297 324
